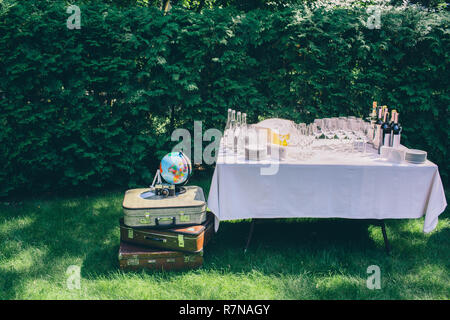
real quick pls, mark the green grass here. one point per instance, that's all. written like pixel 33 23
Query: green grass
pixel 288 259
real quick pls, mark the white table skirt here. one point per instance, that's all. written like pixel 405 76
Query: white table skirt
pixel 326 186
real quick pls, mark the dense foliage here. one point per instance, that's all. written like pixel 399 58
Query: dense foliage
pixel 95 107
pixel 248 5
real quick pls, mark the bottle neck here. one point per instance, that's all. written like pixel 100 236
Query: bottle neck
pixel 394 113
pixel 374 109
pixel 396 118
pixel 228 125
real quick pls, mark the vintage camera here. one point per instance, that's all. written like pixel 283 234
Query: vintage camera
pixel 165 190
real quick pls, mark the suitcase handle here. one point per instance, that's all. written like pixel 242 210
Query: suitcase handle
pixel 173 221
pixel 155 239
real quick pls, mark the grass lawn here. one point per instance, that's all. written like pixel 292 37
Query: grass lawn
pixel 288 259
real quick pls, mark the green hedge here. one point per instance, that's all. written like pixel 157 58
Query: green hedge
pixel 93 108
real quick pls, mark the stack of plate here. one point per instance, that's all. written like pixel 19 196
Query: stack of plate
pixel 415 156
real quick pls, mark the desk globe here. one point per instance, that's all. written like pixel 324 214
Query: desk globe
pixel 175 168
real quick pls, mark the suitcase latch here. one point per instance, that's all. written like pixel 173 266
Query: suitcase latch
pixel 130 234
pixel 146 219
pixel 185 218
pixel 181 241
pixel 133 262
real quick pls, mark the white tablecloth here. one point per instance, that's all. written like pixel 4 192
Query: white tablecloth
pixel 326 186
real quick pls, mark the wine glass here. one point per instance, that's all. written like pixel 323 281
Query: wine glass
pixel 329 130
pixel 365 132
pixel 341 132
pixel 355 126
pixel 301 139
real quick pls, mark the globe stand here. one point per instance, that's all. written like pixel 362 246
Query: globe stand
pixel 156 179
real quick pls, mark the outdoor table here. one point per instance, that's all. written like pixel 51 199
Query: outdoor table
pixel 327 185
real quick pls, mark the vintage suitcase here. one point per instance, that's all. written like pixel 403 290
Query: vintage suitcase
pixel 144 209
pixel 132 257
pixel 188 239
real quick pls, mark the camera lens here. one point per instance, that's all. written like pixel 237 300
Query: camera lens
pixel 165 192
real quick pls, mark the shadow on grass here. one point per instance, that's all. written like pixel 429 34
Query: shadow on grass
pixel 67 232
pixel 10 282
pixel 296 233
pixel 282 246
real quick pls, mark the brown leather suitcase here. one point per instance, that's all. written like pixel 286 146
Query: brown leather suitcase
pixel 132 257
pixel 187 239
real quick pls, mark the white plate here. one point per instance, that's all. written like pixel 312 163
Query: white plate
pixel 415 156
pixel 415 162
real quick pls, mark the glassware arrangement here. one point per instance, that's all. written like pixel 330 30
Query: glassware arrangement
pixel 345 135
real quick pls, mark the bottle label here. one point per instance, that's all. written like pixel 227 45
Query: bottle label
pixel 387 140
pixel 396 140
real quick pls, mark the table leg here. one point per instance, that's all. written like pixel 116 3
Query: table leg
pixel 386 241
pixel 250 234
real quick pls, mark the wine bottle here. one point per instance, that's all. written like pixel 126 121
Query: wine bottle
pixel 393 112
pixel 228 125
pixel 230 136
pixel 372 118
pixel 237 131
pixel 387 130
pixel 396 132
pixel 227 129
pixel 377 129
pixel 243 134
pixel 380 116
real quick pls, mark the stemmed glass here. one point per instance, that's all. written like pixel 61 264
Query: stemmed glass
pixel 301 141
pixel 360 135
pixel 364 133
pixel 318 128
pixel 341 131
pixel 329 130
pixel 353 128
pixel 318 131
pixel 310 137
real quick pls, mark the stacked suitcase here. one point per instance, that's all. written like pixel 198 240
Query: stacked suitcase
pixel 164 233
